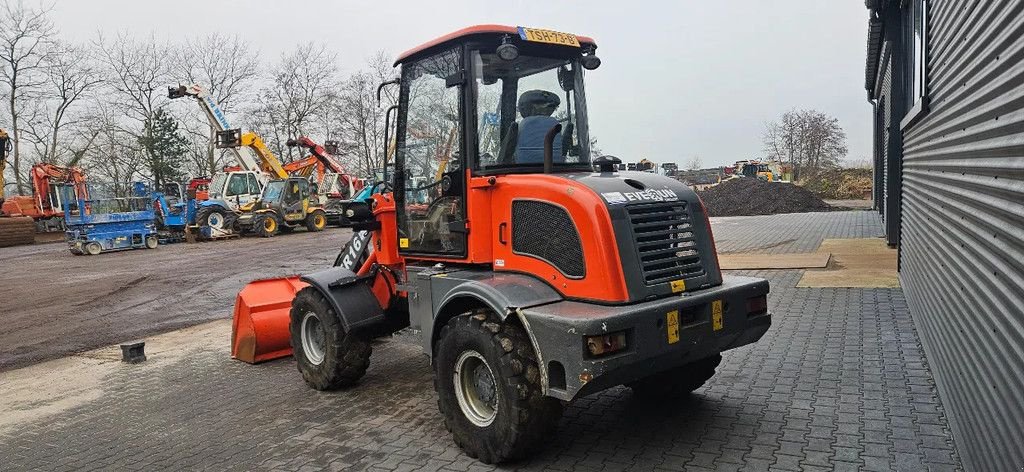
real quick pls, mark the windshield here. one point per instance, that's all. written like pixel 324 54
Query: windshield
pixel 520 101
pixel 273 190
pixel 217 185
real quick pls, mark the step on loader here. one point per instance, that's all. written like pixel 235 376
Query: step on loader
pixel 534 273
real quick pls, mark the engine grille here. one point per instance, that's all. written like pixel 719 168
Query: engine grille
pixel 665 242
pixel 545 231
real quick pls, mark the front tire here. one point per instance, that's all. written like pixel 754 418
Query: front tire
pixel 93 248
pixel 152 242
pixel 216 218
pixel 488 387
pixel 678 381
pixel 316 221
pixel 265 225
pixel 328 358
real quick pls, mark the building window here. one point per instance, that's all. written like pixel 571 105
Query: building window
pixel 918 26
pixel 916 65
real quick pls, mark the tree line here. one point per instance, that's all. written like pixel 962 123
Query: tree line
pixel 102 105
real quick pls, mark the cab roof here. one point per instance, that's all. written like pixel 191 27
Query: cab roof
pixel 471 31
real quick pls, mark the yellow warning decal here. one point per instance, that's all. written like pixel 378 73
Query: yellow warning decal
pixel 403 243
pixel 672 325
pixel 678 285
pixel 716 315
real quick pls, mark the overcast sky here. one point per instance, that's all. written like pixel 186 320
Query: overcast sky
pixel 678 78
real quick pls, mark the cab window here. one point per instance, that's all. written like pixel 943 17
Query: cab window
pixel 254 184
pixel 237 185
pixel 430 183
pixel 519 102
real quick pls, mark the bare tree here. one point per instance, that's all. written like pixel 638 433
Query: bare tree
pixel 300 92
pixel 356 119
pixel 808 140
pixel 26 34
pixel 226 67
pixel 695 163
pixel 139 72
pixel 115 157
pixel 71 75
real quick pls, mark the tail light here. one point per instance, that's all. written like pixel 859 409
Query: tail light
pixel 605 344
pixel 711 234
pixel 757 305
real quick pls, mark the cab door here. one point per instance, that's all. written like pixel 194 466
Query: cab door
pixel 295 199
pixel 429 183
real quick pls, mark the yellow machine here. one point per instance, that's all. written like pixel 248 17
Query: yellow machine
pixel 285 202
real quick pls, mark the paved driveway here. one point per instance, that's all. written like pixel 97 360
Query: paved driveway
pixel 839 382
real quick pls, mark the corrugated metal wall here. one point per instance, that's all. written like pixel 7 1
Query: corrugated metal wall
pixel 962 262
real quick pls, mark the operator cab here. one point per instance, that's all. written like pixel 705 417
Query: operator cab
pixel 521 92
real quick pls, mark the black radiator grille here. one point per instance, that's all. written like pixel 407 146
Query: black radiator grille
pixel 545 231
pixel 665 242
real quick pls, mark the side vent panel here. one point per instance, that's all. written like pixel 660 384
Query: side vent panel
pixel 546 231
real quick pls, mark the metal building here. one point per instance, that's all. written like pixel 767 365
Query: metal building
pixel 946 79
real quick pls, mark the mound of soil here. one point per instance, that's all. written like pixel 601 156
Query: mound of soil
pixel 840 184
pixel 749 196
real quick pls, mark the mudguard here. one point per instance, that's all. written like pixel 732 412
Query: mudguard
pixel 350 298
pixel 441 295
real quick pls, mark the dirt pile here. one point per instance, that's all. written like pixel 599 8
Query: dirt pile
pixel 15 231
pixel 749 196
pixel 840 184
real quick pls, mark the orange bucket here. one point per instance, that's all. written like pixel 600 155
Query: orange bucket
pixel 259 330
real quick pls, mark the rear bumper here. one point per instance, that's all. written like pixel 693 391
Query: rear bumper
pixel 558 331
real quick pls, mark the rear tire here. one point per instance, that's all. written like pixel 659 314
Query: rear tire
pixel 328 358
pixel 265 225
pixel 316 221
pixel 488 387
pixel 678 381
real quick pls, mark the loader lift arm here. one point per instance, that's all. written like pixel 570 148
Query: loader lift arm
pixel 218 121
pixel 268 162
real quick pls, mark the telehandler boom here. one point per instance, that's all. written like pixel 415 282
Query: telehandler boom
pixel 535 272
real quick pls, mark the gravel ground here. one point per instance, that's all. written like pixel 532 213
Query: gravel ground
pixel 53 303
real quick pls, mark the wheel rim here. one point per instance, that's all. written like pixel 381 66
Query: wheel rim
pixel 215 220
pixel 475 388
pixel 319 221
pixel 92 248
pixel 270 225
pixel 313 338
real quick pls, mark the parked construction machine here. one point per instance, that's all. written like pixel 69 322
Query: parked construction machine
pixel 46 204
pixel 536 274
pixel 335 186
pixel 235 189
pixel 285 203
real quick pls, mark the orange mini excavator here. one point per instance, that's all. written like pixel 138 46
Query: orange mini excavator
pixel 45 205
pixel 536 274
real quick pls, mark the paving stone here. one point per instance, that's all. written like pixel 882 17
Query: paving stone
pixel 838 382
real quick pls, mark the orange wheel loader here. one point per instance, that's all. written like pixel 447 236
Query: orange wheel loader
pixel 537 274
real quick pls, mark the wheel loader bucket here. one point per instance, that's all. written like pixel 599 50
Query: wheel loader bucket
pixel 259 331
